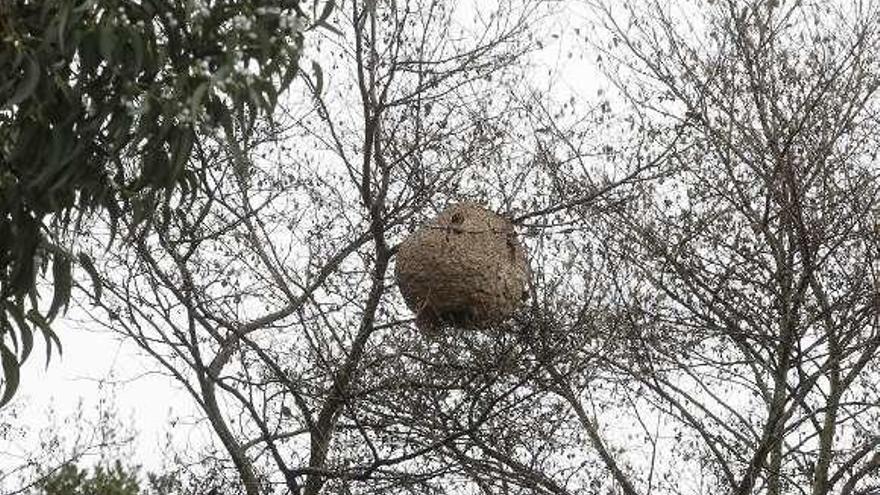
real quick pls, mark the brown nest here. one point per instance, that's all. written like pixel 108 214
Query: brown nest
pixel 464 268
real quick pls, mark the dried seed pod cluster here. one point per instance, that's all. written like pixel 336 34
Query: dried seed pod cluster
pixel 464 268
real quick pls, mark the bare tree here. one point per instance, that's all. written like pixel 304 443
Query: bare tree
pixel 740 282
pixel 703 308
pixel 714 329
pixel 269 296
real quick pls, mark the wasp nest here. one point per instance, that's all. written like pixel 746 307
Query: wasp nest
pixel 465 268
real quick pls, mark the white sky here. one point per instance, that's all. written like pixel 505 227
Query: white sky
pixel 145 401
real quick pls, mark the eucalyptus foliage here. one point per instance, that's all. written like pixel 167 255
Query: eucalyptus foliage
pixel 100 105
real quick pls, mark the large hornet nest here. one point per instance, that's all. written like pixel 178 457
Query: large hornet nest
pixel 465 268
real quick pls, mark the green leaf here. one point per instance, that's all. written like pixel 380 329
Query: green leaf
pixel 217 111
pixel 86 262
pixel 24 271
pixel 28 84
pixel 196 100
pixel 257 98
pixel 319 77
pixel 155 166
pixel 27 335
pixel 63 16
pixel 48 335
pixel 107 42
pixel 27 342
pixel 62 149
pixel 11 375
pixel 326 11
pixel 62 281
pixel 182 148
pixel 264 95
pixel 12 335
pixel 138 46
pixel 291 70
pixel 329 27
pixel 88 52
pixel 271 95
